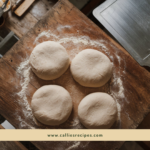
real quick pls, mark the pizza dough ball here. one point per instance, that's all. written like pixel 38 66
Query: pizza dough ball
pixel 97 111
pixel 49 60
pixel 51 105
pixel 91 68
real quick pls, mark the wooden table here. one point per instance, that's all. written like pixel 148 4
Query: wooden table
pixel 65 24
pixel 21 25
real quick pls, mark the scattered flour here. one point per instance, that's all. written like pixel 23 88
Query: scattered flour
pixel 60 27
pixel 119 59
pixel 24 124
pixel 119 94
pixel 119 110
pixel 75 122
pixel 75 145
pixel 24 69
pixel 86 144
pixel 44 33
pixel 76 40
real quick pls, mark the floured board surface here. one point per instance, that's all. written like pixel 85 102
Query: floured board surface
pixel 129 86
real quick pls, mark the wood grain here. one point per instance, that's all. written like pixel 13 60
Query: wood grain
pixel 39 9
pixel 21 25
pixel 66 23
pixel 23 7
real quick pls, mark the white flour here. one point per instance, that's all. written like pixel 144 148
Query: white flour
pixel 23 124
pixel 75 145
pixel 24 69
pixel 60 27
pixel 44 33
pixel 75 122
pixel 76 40
pixel 119 110
pixel 119 94
pixel 86 144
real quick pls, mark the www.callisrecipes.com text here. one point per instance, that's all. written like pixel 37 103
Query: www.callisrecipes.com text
pixel 75 135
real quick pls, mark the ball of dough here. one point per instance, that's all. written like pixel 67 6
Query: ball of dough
pixel 97 111
pixel 91 68
pixel 49 60
pixel 51 105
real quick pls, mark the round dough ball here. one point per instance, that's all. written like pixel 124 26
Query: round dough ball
pixel 49 60
pixel 51 105
pixel 91 68
pixel 97 111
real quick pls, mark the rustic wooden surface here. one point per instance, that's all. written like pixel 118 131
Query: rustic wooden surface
pixel 23 7
pixel 21 25
pixel 67 25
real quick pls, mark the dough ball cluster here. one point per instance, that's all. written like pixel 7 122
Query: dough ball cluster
pixel 52 104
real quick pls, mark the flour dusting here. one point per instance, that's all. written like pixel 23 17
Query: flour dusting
pixel 76 40
pixel 118 94
pixel 119 110
pixel 75 122
pixel 75 145
pixel 44 33
pixel 86 144
pixel 24 70
pixel 23 124
pixel 60 27
pixel 121 88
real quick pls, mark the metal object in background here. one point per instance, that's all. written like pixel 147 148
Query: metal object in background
pixel 7 42
pixel 3 7
pixel 7 125
pixel 129 22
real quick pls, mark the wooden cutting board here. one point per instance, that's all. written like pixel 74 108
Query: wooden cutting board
pixel 130 84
